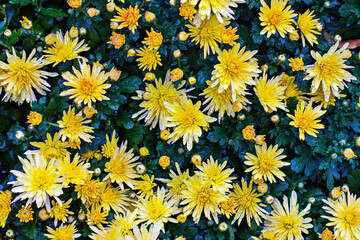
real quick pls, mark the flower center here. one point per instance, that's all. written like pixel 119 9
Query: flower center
pixel 304 122
pixel 265 164
pixel 86 86
pixel 203 197
pixel 189 120
pixel 118 168
pixel 288 224
pixel 326 70
pixel 352 218
pixel 130 18
pixel 276 18
pixel 23 76
pixel 205 33
pixel 234 67
pixel 245 201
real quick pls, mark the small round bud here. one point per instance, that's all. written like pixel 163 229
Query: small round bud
pixel 223 227
pixel 264 68
pixel 140 169
pixel 39 49
pixel 300 185
pixel 149 17
pixel 114 74
pixel 345 188
pixel 236 106
pixel 281 58
pixel 177 53
pixel 180 150
pixel 31 128
pixel 132 195
pixel 196 160
pixel 43 215
pixel 262 188
pixel 146 96
pixel 192 80
pixel 98 156
pixel 327 4
pixel 247 108
pixel 74 32
pixel 210 223
pixel 334 156
pixel 83 31
pixel 7 33
pixel 348 54
pixel 337 38
pixel 131 53
pixel 110 7
pixel 241 117
pixel 183 36
pixel 172 3
pixel 349 153
pixel 10 233
pixel 294 35
pixel 269 199
pixel 81 216
pixel 181 218
pixel 114 25
pixel 144 152
pixel 311 200
pixel 342 142
pixel 148 0
pixel 357 141
pixel 275 118
pixel 70 219
pixel 230 142
pixel 20 135
pixel 97 171
pixel 345 103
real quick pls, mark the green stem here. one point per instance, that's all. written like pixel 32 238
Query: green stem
pixel 53 124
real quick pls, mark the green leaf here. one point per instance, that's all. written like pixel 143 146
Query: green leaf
pixel 53 12
pixel 134 136
pixel 218 135
pixel 15 36
pixel 124 119
pixel 130 84
pixel 30 230
pixel 21 2
pixel 298 165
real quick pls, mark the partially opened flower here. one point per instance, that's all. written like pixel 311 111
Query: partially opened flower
pixel 308 27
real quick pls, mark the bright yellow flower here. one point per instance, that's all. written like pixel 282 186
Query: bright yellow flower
pixel 87 85
pixel 117 40
pixel 26 23
pixel 21 75
pixel 38 182
pixel 5 208
pixel 329 71
pixel 95 216
pixel 228 35
pixel 276 18
pixel 72 126
pixel 249 132
pixel 164 134
pixel 286 221
pixel 207 34
pixel 127 17
pixel 25 214
pixel 187 119
pixel 154 111
pixel 144 152
pixel 89 111
pixel 65 49
pixel 187 10
pixel 247 203
pixel 126 221
pixel 270 93
pixel 60 212
pixel 319 97
pixel 327 235
pixel 89 191
pixel 109 148
pixel 52 147
pixel 267 163
pixel 74 32
pixel 236 69
pixel 291 87
pixel 64 232
pixel 148 58
pixel 143 233
pixel 176 74
pixel 228 206
pixel 267 234
pixel 296 64
pixel 113 198
pixel 74 172
pixel 308 27
pixel 157 208
pixel 177 182
pixel 121 167
pixel 214 172
pixel 89 154
pixel 199 196
pixel 34 118
pixel 305 119
pixel 153 40
pixel 114 74
pixel 164 161
pixel 145 187
pixel 109 233
pixel 74 3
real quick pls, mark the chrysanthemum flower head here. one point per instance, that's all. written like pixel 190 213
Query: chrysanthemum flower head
pixel 278 17
pixel 52 147
pixel 329 71
pixel 148 58
pixel 187 10
pixel 286 220
pixel 291 88
pixel 25 214
pixel 64 232
pixel 74 171
pixel 96 216
pixel 145 186
pixel 89 191
pixel 126 221
pixel 187 120
pixel 308 27
pixel 113 198
pixel 60 212
pixel 153 40
pixel 117 40
pixel 20 76
pixel 128 17
pixel 319 97
pixel 5 208
pixel 109 148
pixel 177 182
pixel 34 118
pixel 39 181
pixel 65 49
pixel 143 233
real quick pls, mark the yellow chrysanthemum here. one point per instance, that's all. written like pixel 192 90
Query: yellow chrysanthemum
pixel 34 118
pixel 199 196
pixel 187 10
pixel 345 216
pixel 89 191
pixel 267 234
pixel 52 147
pixel 214 172
pixel 154 110
pixel 329 71
pixel 177 182
pixel 249 132
pixel 114 198
pixel 65 49
pixel 25 214
pixel 278 17
pixel 20 75
pixel 39 181
pixel 319 97
pixel 60 212
pixel 221 102
pixel 127 17
pixel 291 89
pixel 207 34
pixel 286 221
pixel 145 186
pixel 126 222
pixel 247 203
pixel 228 35
pixel 64 232
pixel 95 216
pixel 87 85
pixel 117 40
pixel 296 64
pixel 72 126
pixel 305 119
pixel 148 58
pixel 270 93
pixel 236 69
pixel 5 208
pixel 220 8
pixel 267 163
pixel 228 206
pixel 153 40
pixel 109 148
pixel 308 27
pixel 74 172
pixel 89 154
pixel 143 233
pixel 121 167
pixel 157 209
pixel 187 119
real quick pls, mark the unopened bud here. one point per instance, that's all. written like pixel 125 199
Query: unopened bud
pixel 83 31
pixel 177 53
pixel 192 80
pixel 223 227
pixel 20 135
pixel 7 33
pixel 110 7
pixel 149 17
pixel 183 36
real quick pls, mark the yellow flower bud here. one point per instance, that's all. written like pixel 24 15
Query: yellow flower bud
pixel 7 33
pixel 181 218
pixel 348 53
pixel 176 74
pixel 269 199
pixel 294 35
pixel 164 135
pixel 264 68
pixel 26 23
pixel 223 227
pixel 149 17
pixel 281 58
pixel 50 39
pixel 164 161
pixel 260 139
pixel 262 188
pixel 336 193
pixel 144 152
pixel 177 53
pixel 196 160
pixel 89 111
pixel 92 12
pixel 43 215
pixel 114 25
pixel 140 169
pixel 192 80
pixel 275 118
pixel 114 74
pixel 183 36
pixel 349 153
pixel 149 76
pixel 110 7
pixel 83 31
pixel 146 96
pixel 74 3
pixel 74 32
pixel 236 106
pixel 131 52
pixel 81 216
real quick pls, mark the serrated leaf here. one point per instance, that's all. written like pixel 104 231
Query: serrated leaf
pixel 130 84
pixel 21 2
pixel 15 36
pixel 53 12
